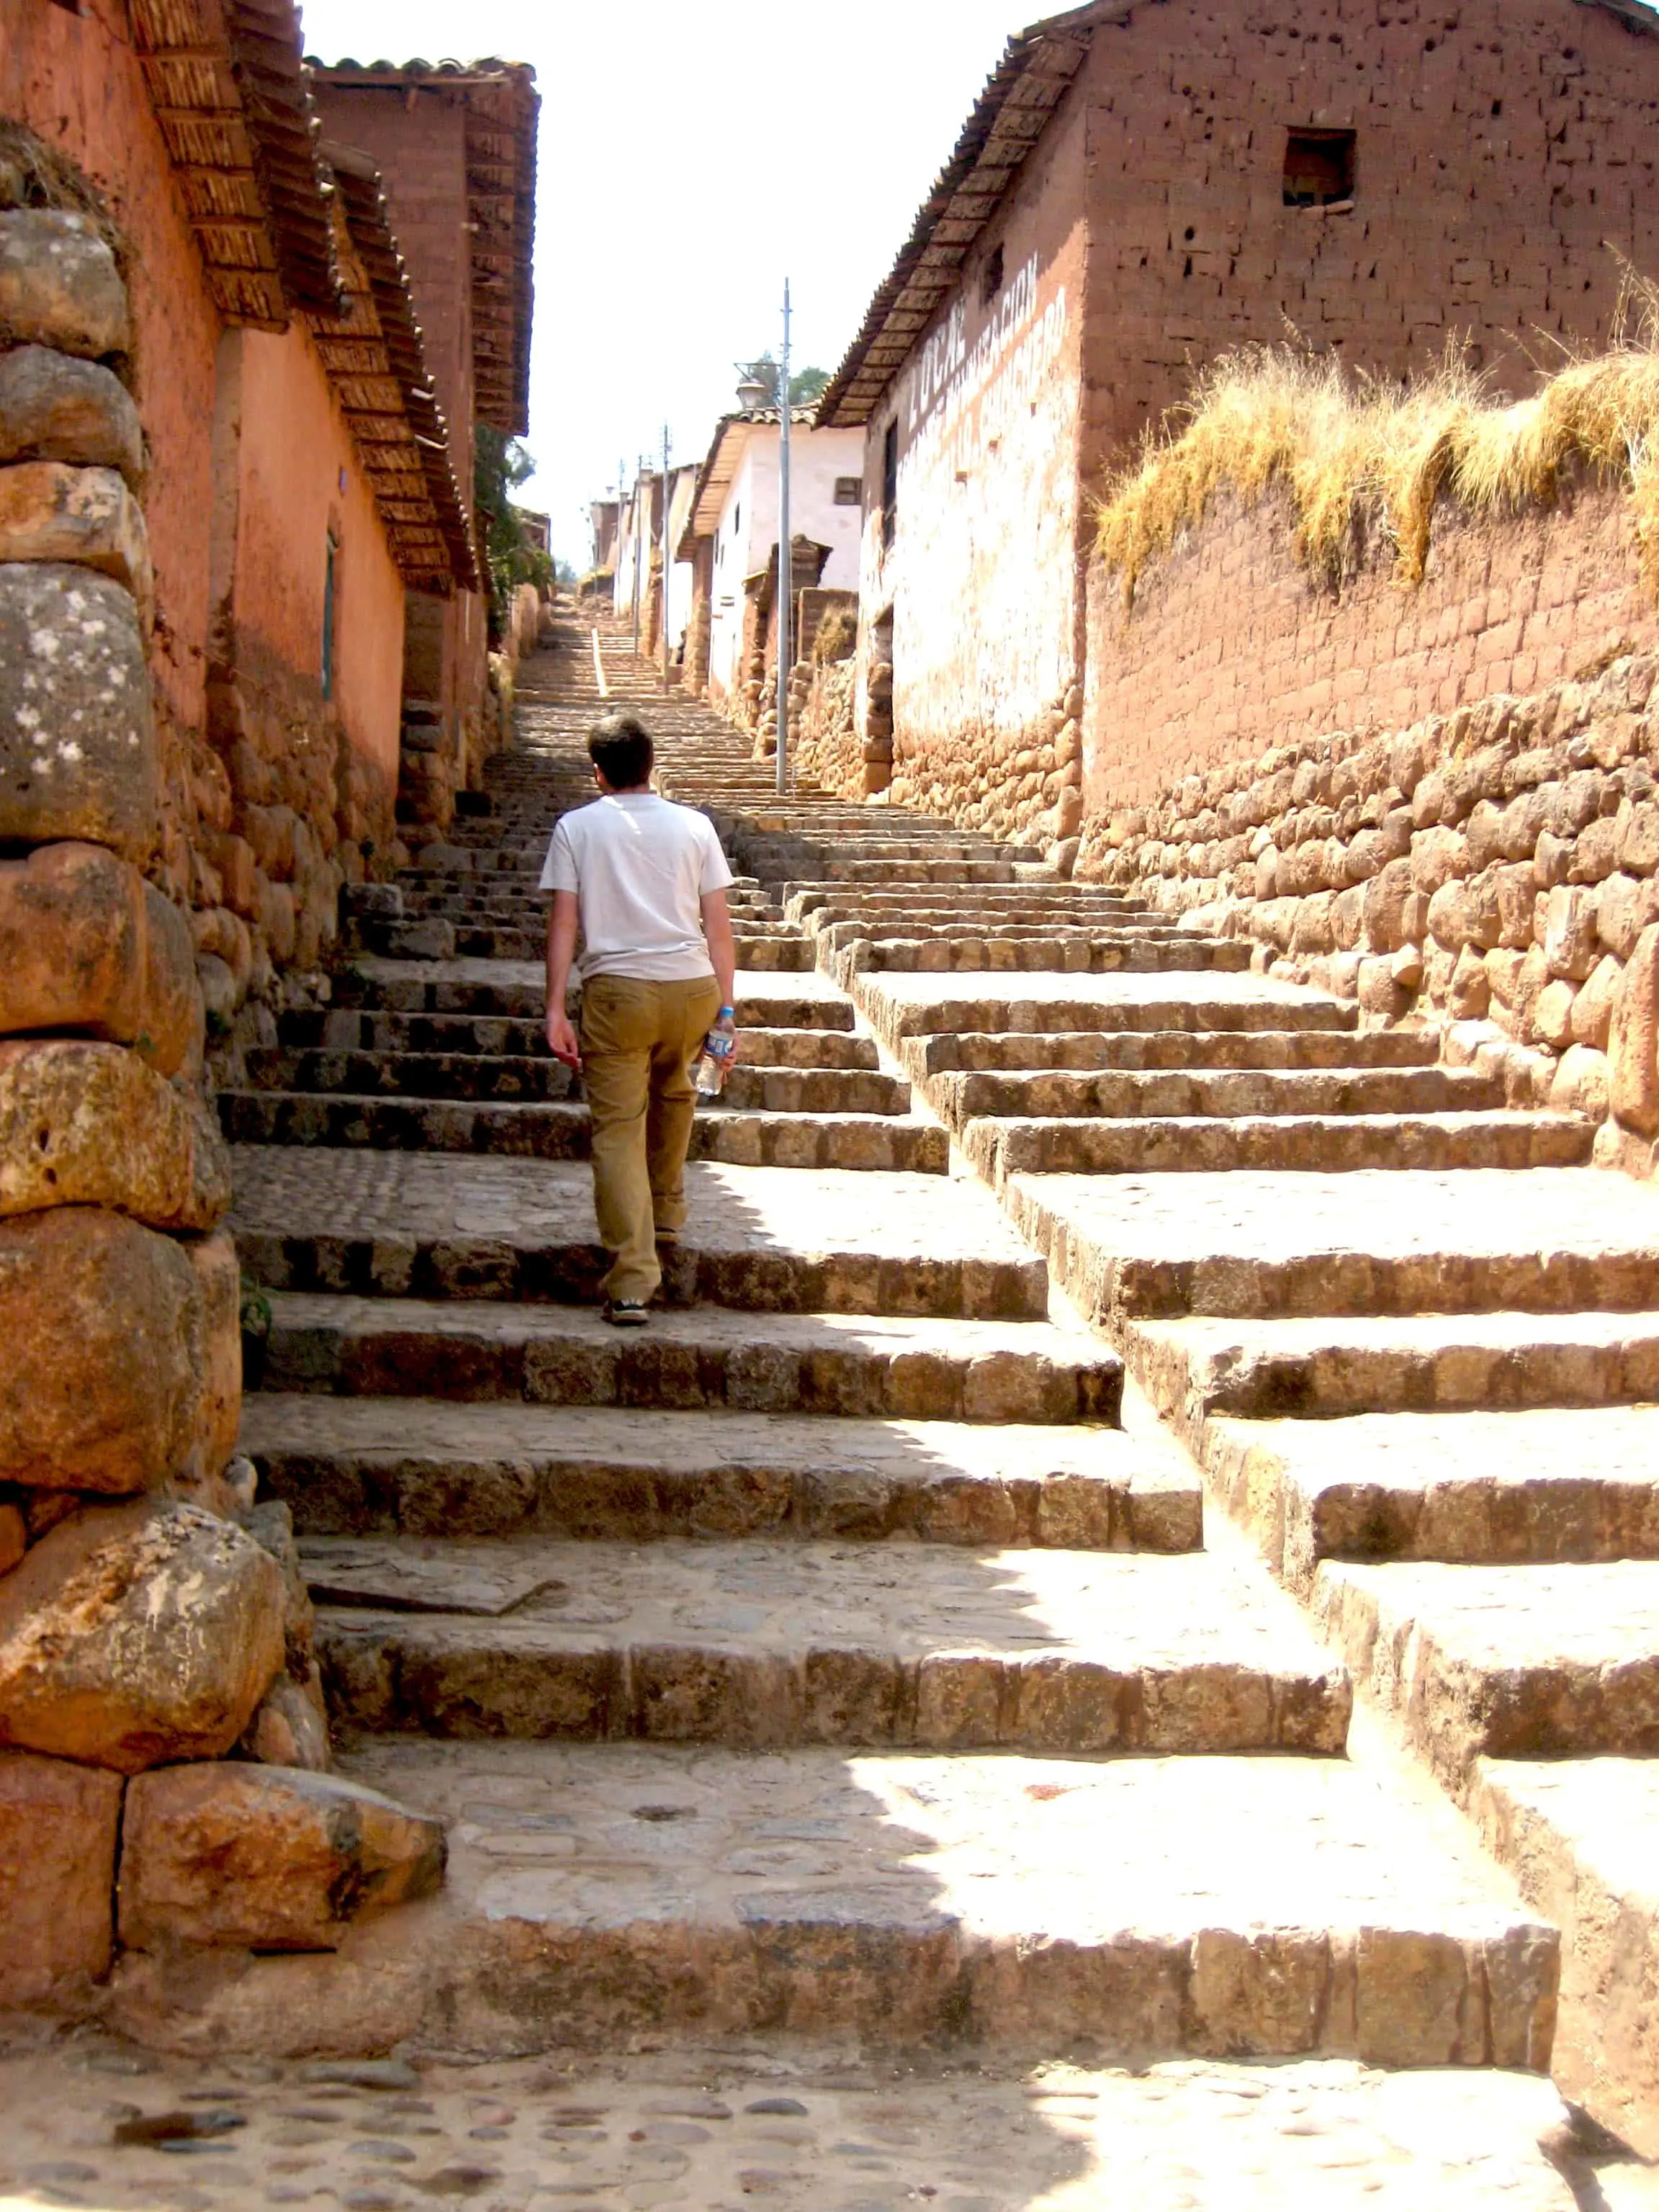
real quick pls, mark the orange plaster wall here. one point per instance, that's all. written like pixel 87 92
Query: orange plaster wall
pixel 300 478
pixel 76 80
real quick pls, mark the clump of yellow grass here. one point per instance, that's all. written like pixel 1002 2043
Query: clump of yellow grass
pixel 1356 456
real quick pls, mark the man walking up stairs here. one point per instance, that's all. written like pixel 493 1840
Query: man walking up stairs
pixel 646 881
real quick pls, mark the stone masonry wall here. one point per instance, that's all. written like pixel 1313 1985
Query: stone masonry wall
pixel 153 1617
pixel 1490 875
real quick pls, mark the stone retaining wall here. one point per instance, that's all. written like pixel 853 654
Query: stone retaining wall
pixel 1491 874
pixel 152 1615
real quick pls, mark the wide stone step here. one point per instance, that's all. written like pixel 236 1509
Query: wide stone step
pixel 783 954
pixel 601 1891
pixel 1323 1368
pixel 1054 931
pixel 424 1468
pixel 1480 1488
pixel 764 1646
pixel 540 1079
pixel 829 1363
pixel 1503 1662
pixel 767 1239
pixel 397 1074
pixel 1300 1143
pixel 1079 1050
pixel 854 869
pixel 1581 1838
pixel 901 1006
pixel 1555 1240
pixel 561 1131
pixel 1082 954
pixel 1185 1094
pixel 518 990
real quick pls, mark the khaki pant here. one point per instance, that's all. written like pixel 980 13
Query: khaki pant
pixel 639 1043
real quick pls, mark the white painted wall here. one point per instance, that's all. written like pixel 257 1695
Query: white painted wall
pixel 747 534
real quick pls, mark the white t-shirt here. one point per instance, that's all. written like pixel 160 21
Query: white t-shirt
pixel 640 868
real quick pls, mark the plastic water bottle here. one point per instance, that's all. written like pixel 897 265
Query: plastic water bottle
pixel 714 1063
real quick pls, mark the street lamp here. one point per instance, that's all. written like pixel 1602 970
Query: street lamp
pixel 753 394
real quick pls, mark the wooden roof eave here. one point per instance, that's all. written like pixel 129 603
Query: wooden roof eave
pixel 1009 116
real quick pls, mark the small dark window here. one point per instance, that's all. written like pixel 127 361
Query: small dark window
pixel 889 483
pixel 328 618
pixel 1318 167
pixel 990 277
pixel 850 491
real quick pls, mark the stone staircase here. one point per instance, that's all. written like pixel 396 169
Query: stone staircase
pixel 884 1680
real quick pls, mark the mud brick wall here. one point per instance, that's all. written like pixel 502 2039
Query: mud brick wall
pixel 153 1617
pixel 1490 876
pixel 1233 644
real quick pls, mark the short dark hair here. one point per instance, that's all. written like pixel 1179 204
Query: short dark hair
pixel 619 745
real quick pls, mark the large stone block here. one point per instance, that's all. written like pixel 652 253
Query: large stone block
pixel 58 1830
pixel 101 1383
pixel 59 285
pixel 77 742
pixel 51 511
pixel 87 1124
pixel 1634 1041
pixel 265 1859
pixel 54 408
pixel 137 1634
pixel 87 945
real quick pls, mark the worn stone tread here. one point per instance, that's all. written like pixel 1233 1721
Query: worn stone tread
pixel 1477 1487
pixel 1323 1367
pixel 519 987
pixel 1508 1661
pixel 808 1362
pixel 1581 1836
pixel 1295 1144
pixel 1186 1094
pixel 765 1645
pixel 550 1129
pixel 424 1467
pixel 771 1239
pixel 901 1005
pixel 993 1897
pixel 1372 1241
pixel 945 1052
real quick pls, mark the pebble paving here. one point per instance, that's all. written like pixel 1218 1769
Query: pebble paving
pixel 96 2123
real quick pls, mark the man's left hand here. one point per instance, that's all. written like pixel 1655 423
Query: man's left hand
pixel 561 1039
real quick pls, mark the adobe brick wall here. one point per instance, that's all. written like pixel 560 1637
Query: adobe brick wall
pixel 1499 144
pixel 416 136
pixel 1500 149
pixel 1233 644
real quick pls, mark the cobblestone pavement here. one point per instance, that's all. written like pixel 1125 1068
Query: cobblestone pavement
pixel 708 2129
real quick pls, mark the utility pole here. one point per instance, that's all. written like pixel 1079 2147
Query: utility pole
pixel 667 559
pixel 785 564
pixel 639 554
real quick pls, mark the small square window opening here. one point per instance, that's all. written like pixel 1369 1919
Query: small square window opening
pixel 1319 167
pixel 850 491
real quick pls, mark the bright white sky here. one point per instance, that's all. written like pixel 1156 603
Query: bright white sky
pixel 694 153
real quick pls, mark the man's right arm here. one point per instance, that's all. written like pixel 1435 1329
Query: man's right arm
pixel 559 877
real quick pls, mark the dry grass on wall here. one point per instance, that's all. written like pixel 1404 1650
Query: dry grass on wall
pixel 1359 459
